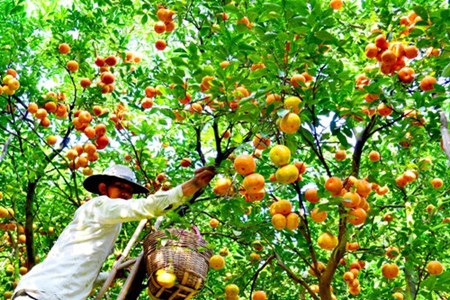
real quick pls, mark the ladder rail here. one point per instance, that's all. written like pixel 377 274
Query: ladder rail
pixel 120 264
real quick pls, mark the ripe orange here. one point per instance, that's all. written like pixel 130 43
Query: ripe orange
pixel 11 72
pixel 64 48
pixel 352 246
pixel 318 216
pixel 333 185
pixel 371 50
pixel 244 20
pixel 223 187
pixel 107 77
pixel 255 196
pixel 292 221
pixel 411 51
pixel 280 155
pixel 160 45
pixel 23 270
pixel 392 252
pixel 398 296
pixel 433 52
pixel 437 183
pixel 45 122
pixel 85 82
pixel 410 176
pixel 272 98
pixel 320 267
pixel 381 42
pixel 244 164
pixel 388 57
pixel 290 123
pixel 159 27
pixel 384 110
pixel 231 290
pixel 22 238
pixel 89 131
pixel 296 78
pixel 259 295
pixel 371 97
pixel 100 130
pixel 406 74
pixel 382 190
pixel 101 142
pixel 435 268
pixel 287 174
pixel 253 182
pixel 170 26
pixel 85 117
pixel 279 221
pixel 185 162
pixel 363 188
pixel 311 195
pixel 390 270
pixel 336 4
pixel 351 200
pixel 257 245
pixel 111 60
pixel 427 83
pixel 224 64
pixel 354 290
pixel 72 66
pixel 283 207
pixel 301 166
pixel 32 108
pixel 51 139
pixel 401 181
pixel 374 156
pixel 327 241
pixel 147 103
pixel 3 212
pixel 340 155
pixel 292 103
pixel 348 276
pixel 260 142
pixel 217 262
pixel 41 113
pixel 89 148
pixel 357 216
pixel 164 14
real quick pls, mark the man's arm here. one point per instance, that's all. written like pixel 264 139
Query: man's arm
pixel 112 211
pixel 201 179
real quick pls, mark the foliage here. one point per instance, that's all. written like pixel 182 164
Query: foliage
pixel 198 102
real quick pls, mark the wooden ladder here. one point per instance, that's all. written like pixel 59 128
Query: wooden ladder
pixel 137 271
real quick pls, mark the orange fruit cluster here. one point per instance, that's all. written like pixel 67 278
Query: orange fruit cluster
pixel 391 57
pixel 165 23
pixel 53 105
pixel 354 193
pixel 350 277
pixel 80 156
pixel 10 83
pixel 253 183
pixel 282 215
pixel 407 177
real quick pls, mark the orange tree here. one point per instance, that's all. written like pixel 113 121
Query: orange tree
pixel 325 119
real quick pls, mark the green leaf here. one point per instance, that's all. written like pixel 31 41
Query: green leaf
pixel 446 71
pixel 421 11
pixel 325 36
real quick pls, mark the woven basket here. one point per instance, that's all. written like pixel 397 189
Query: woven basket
pixel 182 251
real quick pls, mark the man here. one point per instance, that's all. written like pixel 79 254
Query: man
pixel 73 264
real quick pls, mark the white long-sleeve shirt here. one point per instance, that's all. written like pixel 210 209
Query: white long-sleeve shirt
pixel 73 263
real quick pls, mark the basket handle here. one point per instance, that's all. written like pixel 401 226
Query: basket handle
pixel 197 232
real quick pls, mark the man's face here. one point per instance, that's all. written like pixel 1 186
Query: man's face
pixel 119 190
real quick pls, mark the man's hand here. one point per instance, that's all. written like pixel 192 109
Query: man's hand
pixel 202 177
